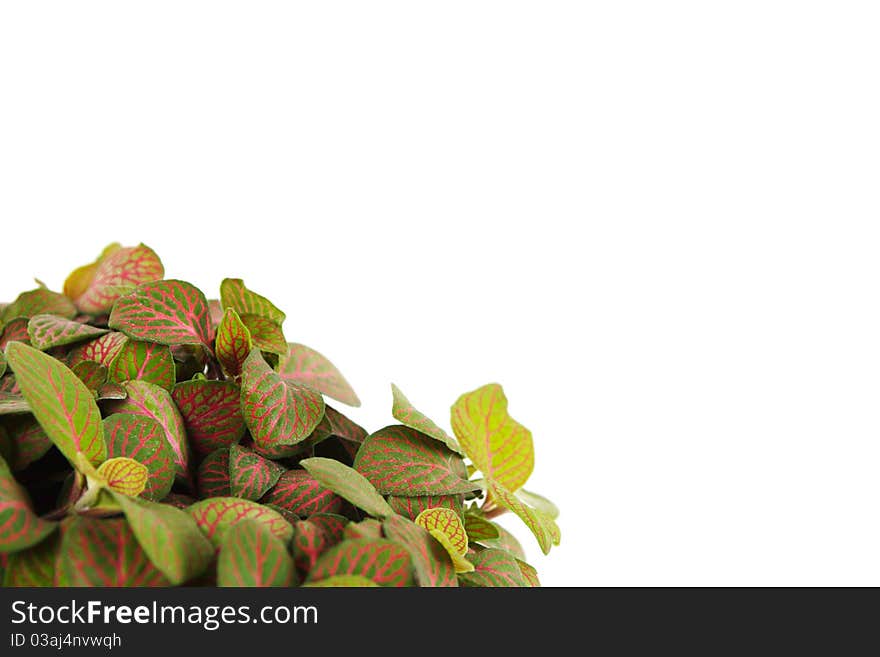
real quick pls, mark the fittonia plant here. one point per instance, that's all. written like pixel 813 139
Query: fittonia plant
pixel 152 436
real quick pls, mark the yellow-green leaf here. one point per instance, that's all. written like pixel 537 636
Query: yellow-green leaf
pixel 543 526
pixel 124 475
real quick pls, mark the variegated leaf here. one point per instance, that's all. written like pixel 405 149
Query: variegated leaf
pixel 35 566
pixel 20 527
pixel 479 529
pixel 213 475
pixel 266 335
pixel 542 526
pixel 169 312
pixel 48 331
pixel 233 342
pixel 385 562
pixel 215 515
pixel 95 287
pixel 252 556
pixel 407 414
pixel 40 301
pixel 311 368
pixel 493 568
pixel 251 475
pixel 29 442
pixel 348 484
pixel 411 507
pixel 100 350
pixel 144 361
pixel 124 475
pixel 234 294
pixel 142 438
pixel 432 564
pixel 300 493
pixel 211 412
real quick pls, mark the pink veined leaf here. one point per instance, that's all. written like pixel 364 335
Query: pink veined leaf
pixel 62 404
pixel 124 475
pixel 343 427
pixel 306 366
pixel 104 552
pixel 30 441
pixel 169 312
pixel 142 438
pixel 309 543
pixel 266 335
pixel 15 330
pixel 48 331
pixel 251 556
pixel 94 288
pixel 411 507
pixel 431 563
pixel 479 529
pixel 383 561
pixel 155 403
pixel 33 567
pixel 404 412
pixel 20 527
pixel 39 302
pixel 276 412
pixel 544 528
pixel 215 515
pixel 493 568
pixel 93 375
pixel 100 350
pixel 144 361
pixel 211 412
pixel 251 475
pixel 399 460
pixel 332 524
pixel 300 493
pixel 213 475
pixel 233 342
pixel 234 294
pixel 530 575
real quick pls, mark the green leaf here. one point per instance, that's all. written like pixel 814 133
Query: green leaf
pixel 399 460
pixel 2 362
pixel 347 581
pixel 216 515
pixel 505 541
pixel 251 475
pixel 343 427
pixel 169 312
pixel 124 475
pixel 411 507
pixel 310 541
pixel 447 522
pixel 479 529
pixel 266 335
pixel 530 575
pixel 211 412
pixel 12 404
pixel 100 350
pixel 95 287
pixel 497 444
pixel 432 564
pixel 407 414
pixel 348 484
pixel 104 552
pixel 366 528
pixel 300 493
pixel 15 330
pixel 538 502
pixel 233 342
pixel 213 475
pixel 34 566
pixel 276 412
pixel 40 301
pixel 48 331
pixel 385 562
pixel 169 536
pixel 153 402
pixel 93 375
pixel 311 368
pixel 493 568
pixel 144 361
pixel 252 556
pixel 542 526
pixel 234 294
pixel 30 443
pixel 20 527
pixel 62 404
pixel 142 438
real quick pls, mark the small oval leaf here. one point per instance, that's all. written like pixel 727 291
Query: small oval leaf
pixel 124 475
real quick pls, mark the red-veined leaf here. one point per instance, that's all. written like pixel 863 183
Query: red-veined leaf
pixel 542 526
pixel 309 543
pixel 20 527
pixel 213 475
pixel 308 367
pixel 234 294
pixel 215 310
pixel 29 442
pixel 48 331
pixel 215 515
pixel 292 518
pixel 103 552
pixel 432 564
pixel 343 427
pixel 169 312
pixel 142 438
pixel 34 566
pixel 276 411
pixel 266 335
pixel 95 287
pixel 404 412
pixel 493 568
pixel 144 361
pixel 92 374
pixel 252 556
pixel 101 350
pixel 530 575
pixel 62 404
pixel 211 412
pixel 343 581
pixel 349 484
pixel 299 492
pixel 40 301
pixel 399 460
pixel 169 536
pixel 155 403
pixel 385 562
pixel 447 522
pixel 479 529
pixel 411 507
pixel 233 343
pixel 332 524
pixel 124 475
pixel 251 475
pixel 499 446
pixel 15 330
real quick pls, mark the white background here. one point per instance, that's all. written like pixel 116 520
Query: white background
pixel 654 223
